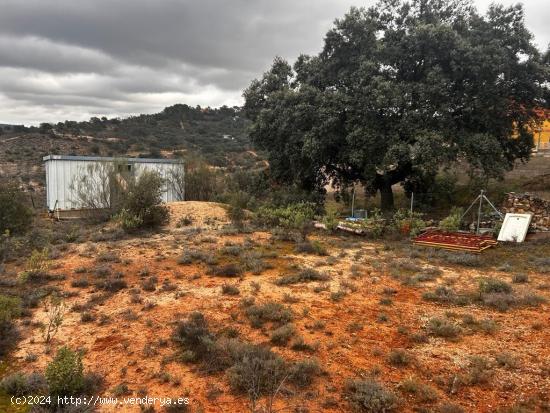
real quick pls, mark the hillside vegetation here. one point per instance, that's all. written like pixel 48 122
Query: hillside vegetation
pixel 216 135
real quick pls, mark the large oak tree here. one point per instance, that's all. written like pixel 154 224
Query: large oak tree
pixel 399 91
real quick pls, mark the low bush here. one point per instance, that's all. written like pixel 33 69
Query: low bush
pixel 493 285
pixel 464 259
pixel 421 391
pixel 10 308
pixel 409 223
pixel 268 312
pixel 64 374
pixel 499 301
pixel 19 384
pixel 236 211
pixel 441 294
pixel 194 337
pixel 370 397
pixel 311 247
pixel 149 284
pixel 399 357
pixel 449 408
pixel 111 285
pixel 15 216
pixel 302 373
pixel 506 360
pixel 229 289
pixel 442 327
pixel 253 262
pixel 303 276
pixel 282 335
pixel 80 283
pixel 479 371
pixel 520 278
pixel 228 270
pixel 299 344
pixel 257 372
pixel 297 218
pixel 192 256
pixel 140 205
pixel 452 221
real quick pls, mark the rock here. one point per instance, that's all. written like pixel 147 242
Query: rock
pixel 527 203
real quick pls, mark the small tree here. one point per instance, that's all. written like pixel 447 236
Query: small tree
pixel 65 374
pixel 10 308
pixel 176 176
pixel 202 182
pixel 236 210
pixel 15 216
pixel 141 203
pixel 94 189
pixel 55 311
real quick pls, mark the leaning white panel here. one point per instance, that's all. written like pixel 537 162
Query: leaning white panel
pixel 514 228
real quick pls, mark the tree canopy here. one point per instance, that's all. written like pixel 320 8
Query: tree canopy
pixel 399 91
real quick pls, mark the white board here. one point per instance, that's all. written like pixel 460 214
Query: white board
pixel 514 228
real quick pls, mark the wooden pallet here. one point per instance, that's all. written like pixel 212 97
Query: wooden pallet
pixel 456 241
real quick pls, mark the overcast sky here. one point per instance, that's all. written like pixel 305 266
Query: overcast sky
pixel 72 59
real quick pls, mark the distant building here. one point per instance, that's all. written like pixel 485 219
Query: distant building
pixel 66 175
pixel 541 135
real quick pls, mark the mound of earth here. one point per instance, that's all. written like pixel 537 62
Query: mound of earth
pixel 196 213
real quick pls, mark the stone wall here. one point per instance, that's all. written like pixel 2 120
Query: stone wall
pixel 525 203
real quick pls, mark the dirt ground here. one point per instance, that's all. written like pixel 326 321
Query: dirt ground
pixel 370 309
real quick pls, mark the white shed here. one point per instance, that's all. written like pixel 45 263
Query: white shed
pixel 64 174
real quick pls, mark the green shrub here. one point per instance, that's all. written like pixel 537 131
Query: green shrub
pixel 302 373
pixel 229 289
pixel 399 357
pixel 128 221
pixel 303 276
pixel 296 217
pixel 15 216
pixel 257 372
pixel 282 335
pixel 479 371
pixel 10 308
pixel 238 203
pixel 36 266
pixel 228 270
pixel 408 223
pixel 64 374
pixel 452 221
pixel 140 205
pixel 422 391
pixel 449 408
pixel 493 285
pixel 194 337
pixel 19 384
pixel 442 327
pixel 370 397
pixel 520 278
pixel 331 219
pixel 268 312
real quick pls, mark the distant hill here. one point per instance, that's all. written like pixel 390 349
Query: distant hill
pixel 218 135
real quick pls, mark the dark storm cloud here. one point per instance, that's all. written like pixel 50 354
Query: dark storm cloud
pixel 76 58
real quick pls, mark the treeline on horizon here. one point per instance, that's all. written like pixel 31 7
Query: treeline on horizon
pixel 212 133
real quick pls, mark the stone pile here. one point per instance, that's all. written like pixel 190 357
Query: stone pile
pixel 526 203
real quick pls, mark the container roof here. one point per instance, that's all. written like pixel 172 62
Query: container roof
pixel 108 159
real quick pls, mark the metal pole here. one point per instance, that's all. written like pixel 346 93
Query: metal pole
pixel 412 202
pixel 353 202
pixel 479 211
pixel 470 207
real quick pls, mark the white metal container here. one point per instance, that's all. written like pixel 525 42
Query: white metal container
pixel 64 173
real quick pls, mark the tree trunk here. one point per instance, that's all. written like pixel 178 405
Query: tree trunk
pixel 386 197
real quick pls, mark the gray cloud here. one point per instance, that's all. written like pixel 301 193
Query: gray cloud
pixel 72 59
